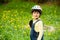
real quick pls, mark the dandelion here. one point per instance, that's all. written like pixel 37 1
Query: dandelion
pixel 3 16
pixel 27 26
pixel 55 37
pixel 49 34
pixel 0 26
pixel 21 12
pixel 18 25
pixel 8 11
pixel 24 32
pixel 54 11
pixel 10 31
pixel 16 11
pixel 12 19
pixel 17 19
pixel 4 11
pixel 15 27
pixel 15 15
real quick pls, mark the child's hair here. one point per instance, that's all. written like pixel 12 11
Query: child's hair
pixel 36 11
pixel 30 23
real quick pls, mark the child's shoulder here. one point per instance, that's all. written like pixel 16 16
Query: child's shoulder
pixel 40 21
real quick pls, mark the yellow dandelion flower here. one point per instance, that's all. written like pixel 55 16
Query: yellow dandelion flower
pixel 4 11
pixel 15 15
pixel 16 11
pixel 27 27
pixel 55 11
pixel 11 20
pixel 12 23
pixel 18 25
pixel 9 11
pixel 21 11
pixel 15 27
pixel 17 19
pixel 24 32
pixel 55 37
pixel 4 15
pixel 49 34
pixel 10 31
pixel 0 26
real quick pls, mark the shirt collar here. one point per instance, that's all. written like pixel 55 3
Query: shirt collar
pixel 35 20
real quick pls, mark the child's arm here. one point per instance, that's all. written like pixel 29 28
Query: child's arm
pixel 39 28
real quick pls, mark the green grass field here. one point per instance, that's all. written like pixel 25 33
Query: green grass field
pixel 15 17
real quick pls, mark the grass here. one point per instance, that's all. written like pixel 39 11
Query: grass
pixel 15 16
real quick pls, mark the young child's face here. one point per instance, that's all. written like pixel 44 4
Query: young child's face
pixel 35 15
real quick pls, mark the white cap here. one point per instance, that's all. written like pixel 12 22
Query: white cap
pixel 37 7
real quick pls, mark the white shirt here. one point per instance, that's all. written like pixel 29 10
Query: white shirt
pixel 39 28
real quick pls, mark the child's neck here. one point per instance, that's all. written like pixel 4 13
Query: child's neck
pixel 36 19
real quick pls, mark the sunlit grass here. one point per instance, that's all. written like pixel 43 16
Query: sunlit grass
pixel 15 16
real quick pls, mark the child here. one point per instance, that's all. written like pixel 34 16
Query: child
pixel 36 24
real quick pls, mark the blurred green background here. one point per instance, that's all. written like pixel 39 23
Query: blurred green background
pixel 16 14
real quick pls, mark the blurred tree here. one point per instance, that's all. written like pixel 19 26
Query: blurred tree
pixel 35 1
pixel 58 2
pixel 38 1
pixel 42 1
pixel 4 1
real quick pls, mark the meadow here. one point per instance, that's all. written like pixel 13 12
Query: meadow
pixel 15 17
